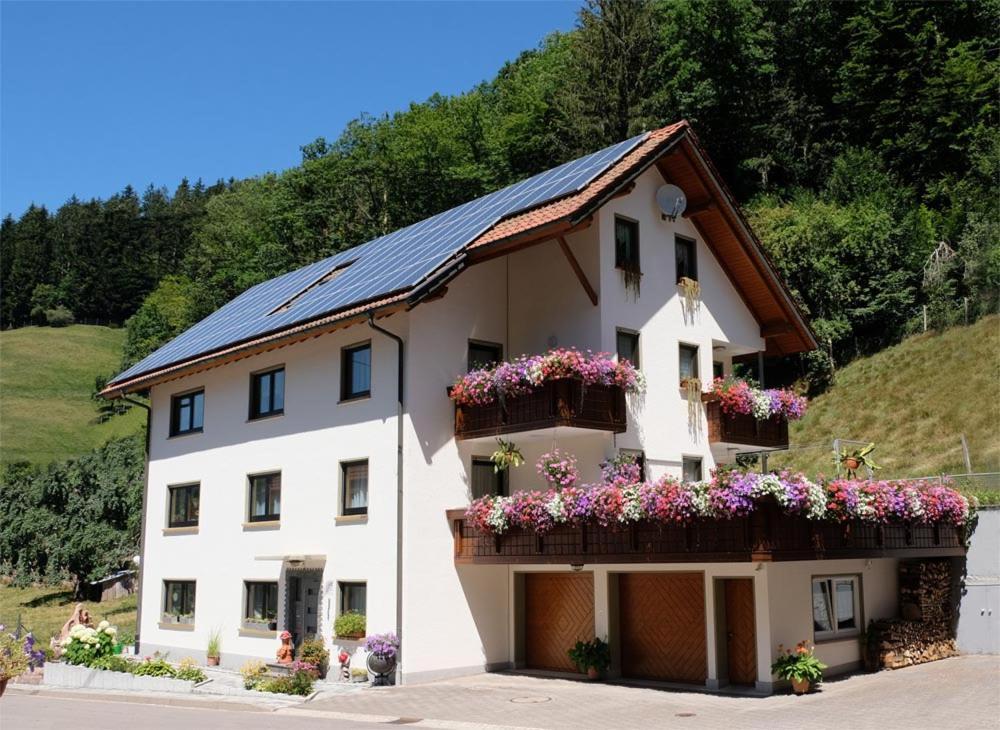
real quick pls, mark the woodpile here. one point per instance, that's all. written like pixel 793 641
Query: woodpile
pixel 925 632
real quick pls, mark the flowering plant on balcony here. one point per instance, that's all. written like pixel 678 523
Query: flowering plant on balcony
pixel 558 469
pixel 738 397
pixel 528 372
pixel 728 494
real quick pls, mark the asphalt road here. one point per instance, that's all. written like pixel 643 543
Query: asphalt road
pixel 20 711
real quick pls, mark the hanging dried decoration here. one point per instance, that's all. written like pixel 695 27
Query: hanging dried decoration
pixel 632 277
pixel 692 386
pixel 691 290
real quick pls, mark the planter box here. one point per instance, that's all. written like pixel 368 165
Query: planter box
pixel 58 674
pixel 743 429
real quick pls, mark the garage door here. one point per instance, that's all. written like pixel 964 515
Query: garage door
pixel 558 612
pixel 662 626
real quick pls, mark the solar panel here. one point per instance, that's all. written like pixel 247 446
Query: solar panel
pixel 393 262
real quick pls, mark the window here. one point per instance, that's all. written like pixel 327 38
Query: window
pixel 184 506
pixel 265 497
pixel 267 393
pixel 354 487
pixel 485 479
pixel 687 261
pixel 187 413
pixel 688 362
pixel 626 244
pixel 836 607
pixel 482 354
pixel 691 469
pixel 627 344
pixel 353 597
pixel 356 372
pixel 718 369
pixel 261 603
pixel 178 601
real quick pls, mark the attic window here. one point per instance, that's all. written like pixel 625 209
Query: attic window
pixel 325 279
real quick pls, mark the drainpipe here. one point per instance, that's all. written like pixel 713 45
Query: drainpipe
pixel 399 486
pixel 142 534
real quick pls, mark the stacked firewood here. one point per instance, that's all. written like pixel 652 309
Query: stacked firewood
pixel 925 632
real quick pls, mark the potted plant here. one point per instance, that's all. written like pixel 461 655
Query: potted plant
pixel 382 649
pixel 800 666
pixel 214 647
pixel 313 651
pixel 349 625
pixel 506 456
pixel 592 657
pixel 856 459
pixel 13 659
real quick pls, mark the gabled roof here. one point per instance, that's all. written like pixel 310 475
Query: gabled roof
pixel 397 270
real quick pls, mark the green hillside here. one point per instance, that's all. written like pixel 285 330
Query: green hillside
pixel 46 377
pixel 914 400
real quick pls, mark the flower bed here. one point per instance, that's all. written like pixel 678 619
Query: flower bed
pixel 59 674
pixel 727 495
pixel 529 372
pixel 738 397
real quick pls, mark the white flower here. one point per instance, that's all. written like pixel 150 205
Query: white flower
pixel 103 625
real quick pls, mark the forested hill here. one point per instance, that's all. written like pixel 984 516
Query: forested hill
pixel 858 135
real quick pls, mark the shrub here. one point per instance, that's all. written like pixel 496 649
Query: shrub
pixel 350 624
pixel 314 652
pixel 85 645
pixel 154 667
pixel 113 663
pixel 297 683
pixel 253 673
pixel 59 317
pixel 188 670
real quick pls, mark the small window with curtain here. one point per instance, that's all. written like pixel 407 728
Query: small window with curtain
pixel 267 393
pixel 184 505
pixel 484 354
pixel 626 244
pixel 354 597
pixel 718 369
pixel 687 263
pixel 265 497
pixel 356 372
pixel 836 607
pixel 691 469
pixel 486 480
pixel 688 362
pixel 354 479
pixel 178 601
pixel 260 609
pixel 627 344
pixel 187 413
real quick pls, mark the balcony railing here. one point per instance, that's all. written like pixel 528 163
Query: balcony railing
pixel 766 535
pixel 565 402
pixel 743 429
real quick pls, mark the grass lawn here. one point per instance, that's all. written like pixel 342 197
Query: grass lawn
pixel 44 609
pixel 46 378
pixel 914 400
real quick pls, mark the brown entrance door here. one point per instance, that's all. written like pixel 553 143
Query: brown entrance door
pixel 558 612
pixel 662 626
pixel 741 634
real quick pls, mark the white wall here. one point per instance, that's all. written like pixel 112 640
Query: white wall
pixel 791 614
pixel 306 444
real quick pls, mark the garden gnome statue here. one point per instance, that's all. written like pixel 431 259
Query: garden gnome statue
pixel 345 666
pixel 285 653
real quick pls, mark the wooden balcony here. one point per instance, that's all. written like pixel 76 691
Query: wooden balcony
pixel 742 429
pixel 566 402
pixel 766 535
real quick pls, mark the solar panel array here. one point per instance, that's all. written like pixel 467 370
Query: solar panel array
pixel 391 263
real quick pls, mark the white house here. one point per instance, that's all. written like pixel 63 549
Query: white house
pixel 304 453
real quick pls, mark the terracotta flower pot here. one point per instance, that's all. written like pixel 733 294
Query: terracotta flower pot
pixel 213 661
pixel 851 463
pixel 800 686
pixel 593 673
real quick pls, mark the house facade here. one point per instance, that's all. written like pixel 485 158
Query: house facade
pixel 305 459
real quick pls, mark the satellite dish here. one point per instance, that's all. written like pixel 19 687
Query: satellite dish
pixel 671 200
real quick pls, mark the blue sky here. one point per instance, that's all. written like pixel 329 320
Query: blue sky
pixel 94 96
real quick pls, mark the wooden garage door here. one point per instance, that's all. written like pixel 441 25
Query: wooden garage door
pixel 662 626
pixel 558 612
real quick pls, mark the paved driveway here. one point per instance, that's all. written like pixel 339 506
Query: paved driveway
pixel 963 692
